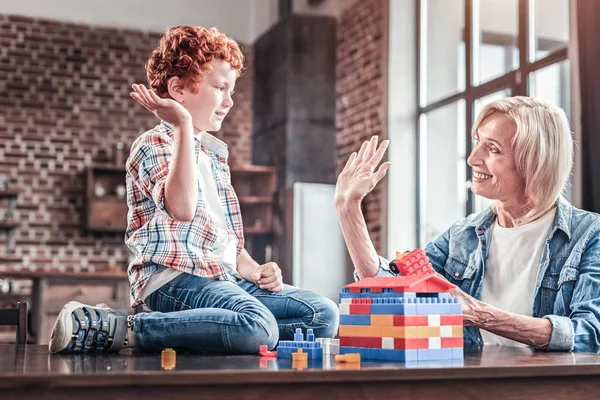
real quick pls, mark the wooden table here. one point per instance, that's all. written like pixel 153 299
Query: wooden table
pixel 491 373
pixel 40 304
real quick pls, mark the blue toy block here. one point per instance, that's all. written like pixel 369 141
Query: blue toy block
pixel 365 353
pixel 458 353
pixel 285 348
pixel 355 320
pixel 435 306
pixel 444 295
pixel 456 308
pixel 381 354
pixel 292 344
pixel 394 309
pixel 434 354
pixel 346 295
pixel 313 353
pixel 298 336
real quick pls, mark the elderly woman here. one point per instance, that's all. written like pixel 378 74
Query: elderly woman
pixel 527 269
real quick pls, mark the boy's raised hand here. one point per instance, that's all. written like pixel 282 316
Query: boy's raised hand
pixel 167 110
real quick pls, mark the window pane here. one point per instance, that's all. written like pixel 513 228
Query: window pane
pixel 550 27
pixel 552 84
pixel 481 203
pixel 442 49
pixel 495 39
pixel 442 169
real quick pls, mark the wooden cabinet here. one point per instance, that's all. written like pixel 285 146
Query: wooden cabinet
pixel 106 204
pixel 255 187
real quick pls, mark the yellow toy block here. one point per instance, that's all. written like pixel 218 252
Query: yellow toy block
pixel 382 320
pixel 457 331
pixel 428 331
pixel 360 331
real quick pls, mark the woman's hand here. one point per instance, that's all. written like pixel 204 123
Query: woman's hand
pixel 167 110
pixel 359 177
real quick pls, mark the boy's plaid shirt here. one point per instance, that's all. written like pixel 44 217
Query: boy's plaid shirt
pixel 152 234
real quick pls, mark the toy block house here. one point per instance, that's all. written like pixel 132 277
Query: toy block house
pixel 405 318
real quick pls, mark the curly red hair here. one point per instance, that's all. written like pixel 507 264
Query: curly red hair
pixel 186 52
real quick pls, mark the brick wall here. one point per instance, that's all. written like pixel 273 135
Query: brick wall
pixel 64 105
pixel 360 93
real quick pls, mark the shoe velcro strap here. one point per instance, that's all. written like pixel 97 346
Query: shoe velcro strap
pixel 118 332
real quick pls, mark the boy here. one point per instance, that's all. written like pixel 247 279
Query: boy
pixel 184 225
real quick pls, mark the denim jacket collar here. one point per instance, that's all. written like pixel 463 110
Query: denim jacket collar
pixel 562 220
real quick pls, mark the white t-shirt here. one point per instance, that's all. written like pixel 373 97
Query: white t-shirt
pixel 225 248
pixel 511 270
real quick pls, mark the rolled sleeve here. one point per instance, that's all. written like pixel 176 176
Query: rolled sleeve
pixel 383 271
pixel 563 334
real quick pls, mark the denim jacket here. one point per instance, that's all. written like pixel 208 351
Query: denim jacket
pixel 567 290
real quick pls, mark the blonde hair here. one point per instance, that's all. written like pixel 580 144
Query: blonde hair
pixel 543 148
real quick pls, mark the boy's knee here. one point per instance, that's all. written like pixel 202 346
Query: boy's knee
pixel 330 313
pixel 262 330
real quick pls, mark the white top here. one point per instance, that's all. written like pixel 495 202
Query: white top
pixel 224 249
pixel 511 270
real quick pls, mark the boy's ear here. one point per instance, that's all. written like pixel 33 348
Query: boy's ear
pixel 175 87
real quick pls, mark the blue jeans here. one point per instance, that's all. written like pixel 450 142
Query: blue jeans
pixel 213 316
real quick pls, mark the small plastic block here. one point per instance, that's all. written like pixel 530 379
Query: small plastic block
pixel 411 344
pixel 298 336
pixel 452 342
pixel 344 309
pixel 168 359
pixel 458 353
pixel 371 342
pixel 397 309
pixel 434 354
pixel 299 365
pixel 348 358
pixel 451 320
pixel 411 320
pixel 312 348
pixel 355 320
pixel 264 351
pixel 382 354
pixel 335 347
pixel 432 305
pixel 299 355
pixel 325 345
pixel 360 309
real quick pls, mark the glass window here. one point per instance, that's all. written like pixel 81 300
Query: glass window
pixel 550 27
pixel 552 84
pixel 495 39
pixel 442 49
pixel 443 169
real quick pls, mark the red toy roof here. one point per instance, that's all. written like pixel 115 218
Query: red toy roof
pixel 413 283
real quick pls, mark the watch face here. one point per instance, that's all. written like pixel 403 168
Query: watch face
pixel 394 267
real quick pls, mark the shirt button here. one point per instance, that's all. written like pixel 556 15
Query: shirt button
pixel 456 274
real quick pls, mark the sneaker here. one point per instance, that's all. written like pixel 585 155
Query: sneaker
pixel 83 328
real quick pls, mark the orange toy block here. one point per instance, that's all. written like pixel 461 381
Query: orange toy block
pixel 168 359
pixel 300 356
pixel 348 358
